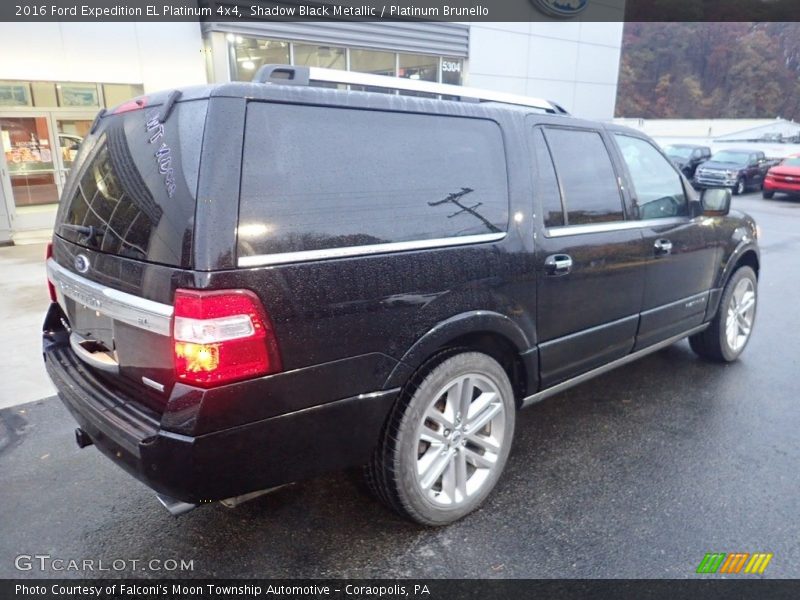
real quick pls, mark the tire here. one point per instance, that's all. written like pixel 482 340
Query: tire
pixel 727 336
pixel 767 194
pixel 740 187
pixel 434 466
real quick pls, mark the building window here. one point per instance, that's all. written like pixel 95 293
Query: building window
pixel 74 95
pixel 52 94
pixel 15 93
pixel 327 57
pixel 248 54
pixel 419 67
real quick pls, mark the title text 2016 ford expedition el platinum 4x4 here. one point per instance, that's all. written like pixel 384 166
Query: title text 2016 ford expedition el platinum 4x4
pixel 255 283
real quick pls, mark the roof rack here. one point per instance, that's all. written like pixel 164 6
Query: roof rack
pixel 294 75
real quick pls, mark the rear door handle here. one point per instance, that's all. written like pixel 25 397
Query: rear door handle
pixel 663 247
pixel 558 264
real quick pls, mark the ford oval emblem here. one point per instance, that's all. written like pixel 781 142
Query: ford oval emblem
pixel 81 263
pixel 561 8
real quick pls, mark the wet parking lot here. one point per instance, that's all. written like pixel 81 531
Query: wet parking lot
pixel 638 473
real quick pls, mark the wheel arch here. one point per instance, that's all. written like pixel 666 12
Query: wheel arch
pixel 746 254
pixel 491 333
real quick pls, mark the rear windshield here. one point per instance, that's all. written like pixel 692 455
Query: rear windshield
pixel 320 177
pixel 132 189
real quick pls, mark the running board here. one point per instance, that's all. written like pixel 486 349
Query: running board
pixel 609 367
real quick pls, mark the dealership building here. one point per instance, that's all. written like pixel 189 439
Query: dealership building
pixel 56 76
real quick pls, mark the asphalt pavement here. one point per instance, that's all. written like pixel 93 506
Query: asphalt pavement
pixel 638 473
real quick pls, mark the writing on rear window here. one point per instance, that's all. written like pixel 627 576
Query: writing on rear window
pixel 163 155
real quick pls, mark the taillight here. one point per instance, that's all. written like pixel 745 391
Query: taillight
pixel 222 336
pixel 50 287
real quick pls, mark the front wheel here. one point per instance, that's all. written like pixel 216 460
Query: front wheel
pixel 444 448
pixel 767 194
pixel 729 332
pixel 740 187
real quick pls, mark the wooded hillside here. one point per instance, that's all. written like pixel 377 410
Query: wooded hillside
pixel 710 70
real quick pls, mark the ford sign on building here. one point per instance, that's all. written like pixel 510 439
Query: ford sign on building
pixel 563 9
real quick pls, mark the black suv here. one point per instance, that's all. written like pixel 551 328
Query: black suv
pixel 687 157
pixel 255 283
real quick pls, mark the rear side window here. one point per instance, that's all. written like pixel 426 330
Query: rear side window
pixel 133 187
pixel 586 174
pixel 318 178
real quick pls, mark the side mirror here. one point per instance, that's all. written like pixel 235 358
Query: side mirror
pixel 716 202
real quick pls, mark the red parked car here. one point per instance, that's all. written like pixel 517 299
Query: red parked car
pixel 784 177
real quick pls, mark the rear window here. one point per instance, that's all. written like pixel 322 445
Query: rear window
pixel 132 189
pixel 319 178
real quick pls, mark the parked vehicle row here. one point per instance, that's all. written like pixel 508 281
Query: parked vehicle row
pixel 739 170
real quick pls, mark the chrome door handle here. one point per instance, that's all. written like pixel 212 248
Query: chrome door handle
pixel 663 247
pixel 558 264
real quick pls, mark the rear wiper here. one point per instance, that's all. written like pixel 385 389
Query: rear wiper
pixel 89 232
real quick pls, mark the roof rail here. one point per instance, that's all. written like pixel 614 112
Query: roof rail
pixel 296 75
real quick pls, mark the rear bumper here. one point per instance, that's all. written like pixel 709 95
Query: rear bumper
pixel 221 464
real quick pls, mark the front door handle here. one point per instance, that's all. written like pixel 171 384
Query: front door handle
pixel 558 264
pixel 663 247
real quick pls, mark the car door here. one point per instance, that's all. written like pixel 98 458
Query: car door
pixel 590 268
pixel 681 249
pixel 756 170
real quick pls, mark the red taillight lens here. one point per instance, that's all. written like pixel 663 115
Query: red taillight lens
pixel 222 336
pixel 50 287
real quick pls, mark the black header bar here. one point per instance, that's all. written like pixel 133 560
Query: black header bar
pixel 399 10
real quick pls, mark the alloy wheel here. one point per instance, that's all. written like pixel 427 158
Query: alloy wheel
pixel 459 440
pixel 741 312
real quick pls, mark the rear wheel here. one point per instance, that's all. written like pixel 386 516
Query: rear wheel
pixel 445 447
pixel 767 194
pixel 729 332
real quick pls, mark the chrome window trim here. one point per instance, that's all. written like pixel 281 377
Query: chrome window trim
pixel 120 306
pixel 282 258
pixel 567 230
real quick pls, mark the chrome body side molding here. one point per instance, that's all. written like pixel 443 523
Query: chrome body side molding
pixel 327 253
pixel 533 399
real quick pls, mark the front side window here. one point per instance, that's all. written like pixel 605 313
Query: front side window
pixel 586 174
pixel 657 186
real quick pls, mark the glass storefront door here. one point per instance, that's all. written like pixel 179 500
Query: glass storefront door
pixel 70 133
pixel 28 147
pixel 39 148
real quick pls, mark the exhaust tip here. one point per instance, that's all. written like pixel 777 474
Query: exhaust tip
pixel 175 507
